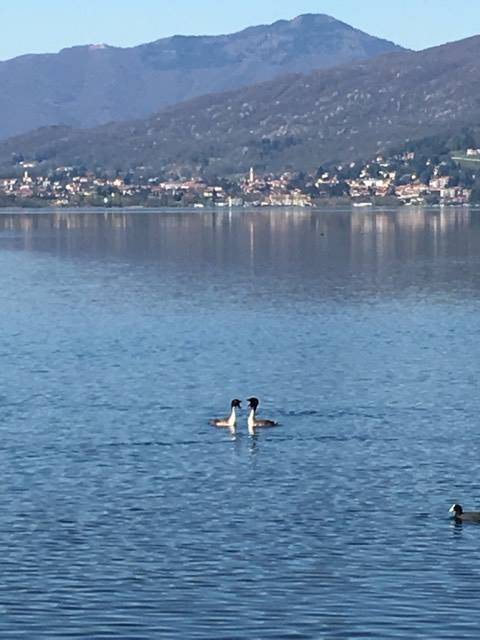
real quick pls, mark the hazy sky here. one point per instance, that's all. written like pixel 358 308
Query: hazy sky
pixel 32 26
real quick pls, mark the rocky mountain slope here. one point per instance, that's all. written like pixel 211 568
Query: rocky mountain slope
pixel 89 85
pixel 297 121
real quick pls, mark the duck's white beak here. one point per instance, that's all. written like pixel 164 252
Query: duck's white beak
pixel 452 509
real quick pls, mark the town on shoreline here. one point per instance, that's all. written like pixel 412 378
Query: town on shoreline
pixel 405 178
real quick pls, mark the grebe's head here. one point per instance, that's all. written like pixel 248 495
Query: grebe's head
pixel 236 403
pixel 253 403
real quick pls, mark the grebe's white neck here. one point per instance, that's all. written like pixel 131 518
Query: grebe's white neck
pixel 232 421
pixel 251 422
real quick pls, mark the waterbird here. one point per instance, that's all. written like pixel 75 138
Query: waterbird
pixel 231 420
pixel 253 422
pixel 464 516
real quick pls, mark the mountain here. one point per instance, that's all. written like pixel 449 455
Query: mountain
pixel 297 121
pixel 90 85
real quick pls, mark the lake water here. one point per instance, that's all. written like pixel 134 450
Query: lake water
pixel 125 515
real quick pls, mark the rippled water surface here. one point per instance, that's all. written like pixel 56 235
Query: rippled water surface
pixel 125 515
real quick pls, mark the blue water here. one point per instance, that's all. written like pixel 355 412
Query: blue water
pixel 125 515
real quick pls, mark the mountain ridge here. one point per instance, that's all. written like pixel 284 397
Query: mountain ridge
pixel 308 18
pixel 297 121
pixel 89 85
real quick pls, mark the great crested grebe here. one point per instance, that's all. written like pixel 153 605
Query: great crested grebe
pixel 231 420
pixel 253 422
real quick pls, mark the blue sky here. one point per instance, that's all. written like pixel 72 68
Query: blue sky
pixel 49 25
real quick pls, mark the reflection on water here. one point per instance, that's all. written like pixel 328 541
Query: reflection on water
pixel 275 242
pixel 374 236
pixel 126 515
pixel 381 223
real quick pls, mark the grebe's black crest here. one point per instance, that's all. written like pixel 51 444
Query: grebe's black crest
pixel 253 403
pixel 236 403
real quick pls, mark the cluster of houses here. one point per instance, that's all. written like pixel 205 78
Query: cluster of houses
pixel 360 184
pixel 63 188
pixel 367 188
pixel 383 183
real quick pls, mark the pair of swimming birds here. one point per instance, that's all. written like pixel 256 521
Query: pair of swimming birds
pixel 252 422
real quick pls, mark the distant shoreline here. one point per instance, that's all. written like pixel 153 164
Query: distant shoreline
pixel 339 206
